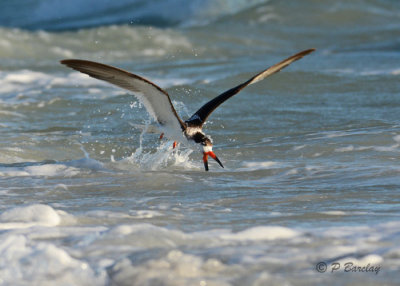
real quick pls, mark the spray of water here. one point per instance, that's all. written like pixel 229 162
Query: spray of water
pixel 165 156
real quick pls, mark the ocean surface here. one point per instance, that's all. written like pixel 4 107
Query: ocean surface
pixel 310 192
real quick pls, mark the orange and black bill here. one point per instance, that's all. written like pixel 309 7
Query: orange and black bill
pixel 212 155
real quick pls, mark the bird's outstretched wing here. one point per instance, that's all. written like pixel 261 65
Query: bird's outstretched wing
pixel 155 99
pixel 198 118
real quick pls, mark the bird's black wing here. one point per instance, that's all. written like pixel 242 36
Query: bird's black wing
pixel 156 100
pixel 198 118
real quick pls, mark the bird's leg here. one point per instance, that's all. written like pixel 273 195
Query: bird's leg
pixel 173 145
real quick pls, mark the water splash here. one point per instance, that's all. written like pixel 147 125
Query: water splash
pixel 164 156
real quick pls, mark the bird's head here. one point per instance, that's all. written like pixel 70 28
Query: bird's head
pixel 205 142
pixel 207 151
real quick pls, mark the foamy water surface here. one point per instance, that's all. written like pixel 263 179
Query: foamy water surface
pixel 310 190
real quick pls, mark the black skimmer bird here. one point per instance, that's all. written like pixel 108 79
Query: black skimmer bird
pixel 158 103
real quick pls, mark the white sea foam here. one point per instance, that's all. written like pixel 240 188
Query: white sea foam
pixel 253 166
pixel 345 149
pixel 24 77
pixel 397 138
pixel 61 169
pixel 140 214
pixel 334 213
pixel 296 148
pixel 32 83
pixel 107 214
pixel 380 72
pixel 46 170
pixel 392 148
pixel 186 269
pixel 350 148
pixel 262 233
pixel 134 214
pixel 369 72
pixel 11 113
pixel 335 134
pixel 373 259
pixel 293 171
pixel 143 253
pixel 19 81
pixel 29 216
pixel 42 264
